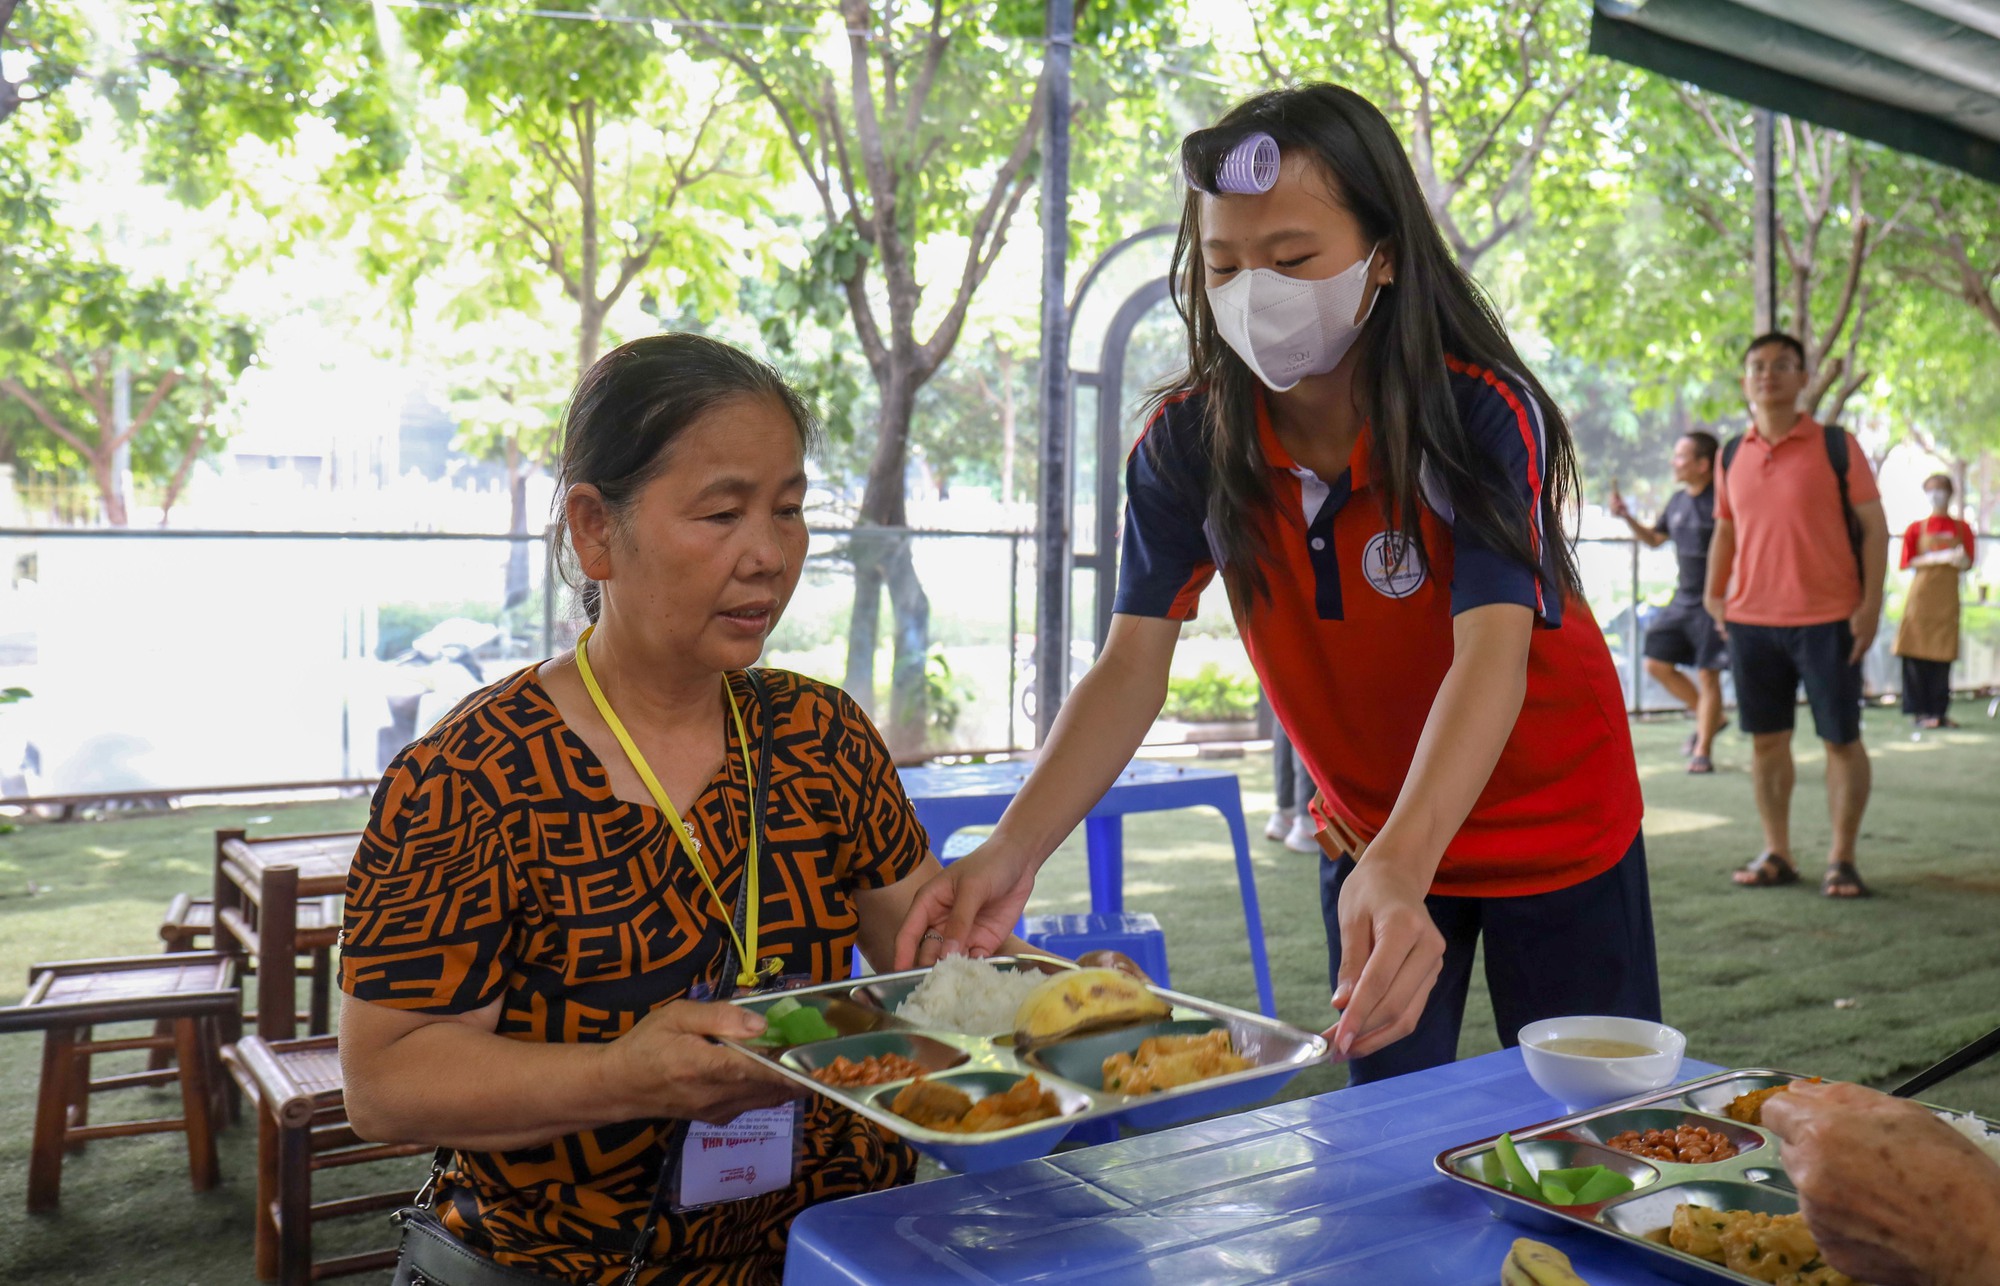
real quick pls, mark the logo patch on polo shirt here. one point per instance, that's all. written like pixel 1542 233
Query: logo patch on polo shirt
pixel 1391 564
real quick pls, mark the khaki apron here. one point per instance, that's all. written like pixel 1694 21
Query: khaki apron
pixel 1929 631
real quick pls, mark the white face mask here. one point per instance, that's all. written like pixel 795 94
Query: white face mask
pixel 1285 329
pixel 1940 499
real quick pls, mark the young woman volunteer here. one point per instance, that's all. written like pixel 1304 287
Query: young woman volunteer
pixel 1358 450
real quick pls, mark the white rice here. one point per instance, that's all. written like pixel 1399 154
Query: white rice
pixel 1986 1140
pixel 971 996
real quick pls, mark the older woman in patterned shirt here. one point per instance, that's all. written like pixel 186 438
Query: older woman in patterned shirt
pixel 525 928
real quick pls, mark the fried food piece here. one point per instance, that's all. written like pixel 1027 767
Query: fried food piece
pixel 1165 1062
pixel 1686 1144
pixel 1024 1104
pixel 876 1069
pixel 1698 1231
pixel 1778 1249
pixel 949 1111
pixel 931 1105
pixel 1749 1108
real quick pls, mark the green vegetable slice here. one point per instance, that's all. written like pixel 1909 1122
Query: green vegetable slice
pixel 784 1005
pixel 1556 1194
pixel 803 1025
pixel 1602 1186
pixel 1515 1168
pixel 1489 1170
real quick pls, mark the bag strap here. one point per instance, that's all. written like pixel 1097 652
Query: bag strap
pixel 1729 450
pixel 1836 455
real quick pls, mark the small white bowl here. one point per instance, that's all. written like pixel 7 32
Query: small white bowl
pixel 1579 1081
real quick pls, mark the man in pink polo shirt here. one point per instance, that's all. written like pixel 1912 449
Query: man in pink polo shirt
pixel 1795 577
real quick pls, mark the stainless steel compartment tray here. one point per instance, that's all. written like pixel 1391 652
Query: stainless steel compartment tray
pixel 857 1009
pixel 1753 1179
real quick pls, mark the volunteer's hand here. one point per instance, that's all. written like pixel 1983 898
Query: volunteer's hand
pixel 1892 1194
pixel 1866 620
pixel 969 908
pixel 1390 954
pixel 1713 606
pixel 667 1066
pixel 1618 509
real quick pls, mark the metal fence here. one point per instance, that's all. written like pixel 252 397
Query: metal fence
pixel 180 661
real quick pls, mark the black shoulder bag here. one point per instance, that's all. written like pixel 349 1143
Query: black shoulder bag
pixel 431 1256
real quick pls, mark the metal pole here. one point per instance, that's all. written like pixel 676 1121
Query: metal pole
pixel 1053 537
pixel 1764 217
pixel 550 535
pixel 1013 634
pixel 1632 637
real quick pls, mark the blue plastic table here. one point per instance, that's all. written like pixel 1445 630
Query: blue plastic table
pixel 1334 1188
pixel 950 798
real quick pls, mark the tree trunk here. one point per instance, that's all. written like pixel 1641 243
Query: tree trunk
pixel 104 472
pixel 590 329
pixel 1007 427
pixel 883 557
pixel 518 469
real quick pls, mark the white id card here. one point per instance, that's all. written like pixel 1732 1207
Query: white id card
pixel 748 1157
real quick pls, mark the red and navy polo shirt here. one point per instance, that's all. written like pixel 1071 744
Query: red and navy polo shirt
pixel 1355 637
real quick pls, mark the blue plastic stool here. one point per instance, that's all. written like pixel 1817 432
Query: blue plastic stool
pixel 1135 933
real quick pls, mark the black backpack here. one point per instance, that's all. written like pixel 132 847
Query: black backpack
pixel 1836 454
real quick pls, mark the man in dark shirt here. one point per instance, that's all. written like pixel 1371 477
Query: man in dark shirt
pixel 1683 633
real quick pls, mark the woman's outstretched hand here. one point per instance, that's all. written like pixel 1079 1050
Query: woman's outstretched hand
pixel 1390 956
pixel 969 908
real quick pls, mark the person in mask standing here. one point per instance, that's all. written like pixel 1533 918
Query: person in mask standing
pixel 1358 450
pixel 1936 551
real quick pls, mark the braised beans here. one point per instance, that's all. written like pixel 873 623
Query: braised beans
pixel 877 1069
pixel 1686 1144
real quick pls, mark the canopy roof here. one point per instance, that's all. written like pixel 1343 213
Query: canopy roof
pixel 1921 76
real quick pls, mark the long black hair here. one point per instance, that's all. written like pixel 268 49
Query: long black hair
pixel 635 403
pixel 1432 311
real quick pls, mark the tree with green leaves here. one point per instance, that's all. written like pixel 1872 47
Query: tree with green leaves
pixel 506 380
pixel 1654 277
pixel 1955 243
pixel 589 154
pixel 1494 102
pixel 96 365
pixel 919 138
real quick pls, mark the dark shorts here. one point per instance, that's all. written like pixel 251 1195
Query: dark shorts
pixel 1771 661
pixel 1685 634
pixel 1586 949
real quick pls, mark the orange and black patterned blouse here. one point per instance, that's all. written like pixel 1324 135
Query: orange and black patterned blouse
pixel 498 865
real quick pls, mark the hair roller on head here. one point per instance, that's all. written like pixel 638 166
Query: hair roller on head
pixel 1248 168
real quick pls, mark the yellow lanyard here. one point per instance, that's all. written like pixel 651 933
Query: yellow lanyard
pixel 749 969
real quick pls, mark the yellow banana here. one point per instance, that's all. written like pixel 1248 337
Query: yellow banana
pixel 1530 1263
pixel 1081 1000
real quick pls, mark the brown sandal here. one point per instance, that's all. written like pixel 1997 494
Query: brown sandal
pixel 1842 881
pixel 1765 871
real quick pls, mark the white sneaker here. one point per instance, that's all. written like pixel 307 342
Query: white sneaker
pixel 1302 838
pixel 1280 824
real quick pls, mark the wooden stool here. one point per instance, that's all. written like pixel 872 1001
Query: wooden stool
pixel 190 923
pixel 302 1128
pixel 194 992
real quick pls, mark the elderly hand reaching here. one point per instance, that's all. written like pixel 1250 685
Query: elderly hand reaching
pixel 1893 1195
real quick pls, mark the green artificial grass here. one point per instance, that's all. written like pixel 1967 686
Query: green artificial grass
pixel 1752 976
